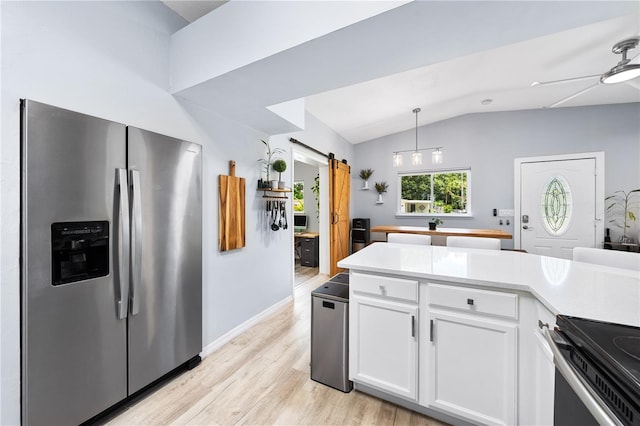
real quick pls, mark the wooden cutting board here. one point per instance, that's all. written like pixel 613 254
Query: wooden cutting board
pixel 231 208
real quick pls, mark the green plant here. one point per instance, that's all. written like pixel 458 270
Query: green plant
pixel 381 187
pixel 268 160
pixel 436 220
pixel 623 204
pixel 279 166
pixel 316 193
pixel 365 174
pixel 298 196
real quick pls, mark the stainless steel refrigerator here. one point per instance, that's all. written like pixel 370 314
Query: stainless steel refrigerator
pixel 111 263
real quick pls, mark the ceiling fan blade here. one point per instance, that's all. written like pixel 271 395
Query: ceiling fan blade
pixel 575 95
pixel 566 80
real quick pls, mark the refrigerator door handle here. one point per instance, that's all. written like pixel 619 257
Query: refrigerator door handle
pixel 136 241
pixel 123 243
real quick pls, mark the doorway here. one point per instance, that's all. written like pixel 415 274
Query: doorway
pixel 559 203
pixel 317 166
pixel 306 212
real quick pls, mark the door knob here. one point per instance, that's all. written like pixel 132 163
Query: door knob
pixel 526 227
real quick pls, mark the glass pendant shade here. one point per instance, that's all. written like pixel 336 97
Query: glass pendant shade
pixel 436 156
pixel 397 159
pixel 416 159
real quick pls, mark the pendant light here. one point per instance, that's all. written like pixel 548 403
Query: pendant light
pixel 416 155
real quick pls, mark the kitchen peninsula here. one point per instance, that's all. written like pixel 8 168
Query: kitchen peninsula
pixel 453 332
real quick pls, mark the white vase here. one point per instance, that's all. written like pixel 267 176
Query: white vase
pixel 365 185
pixel 379 199
pixel 274 184
pixel 280 184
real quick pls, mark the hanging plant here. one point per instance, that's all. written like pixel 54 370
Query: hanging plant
pixel 316 193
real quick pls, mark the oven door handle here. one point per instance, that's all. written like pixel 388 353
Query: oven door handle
pixel 592 401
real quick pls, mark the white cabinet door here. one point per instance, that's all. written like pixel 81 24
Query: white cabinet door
pixel 544 382
pixel 383 345
pixel 473 367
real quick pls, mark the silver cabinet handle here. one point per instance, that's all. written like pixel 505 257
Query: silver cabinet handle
pixel 123 242
pixel 136 241
pixel 413 326
pixel 596 406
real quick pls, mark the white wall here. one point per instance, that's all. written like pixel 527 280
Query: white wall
pixel 111 60
pixel 489 143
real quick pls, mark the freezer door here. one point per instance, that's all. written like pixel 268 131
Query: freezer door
pixel 165 319
pixel 73 342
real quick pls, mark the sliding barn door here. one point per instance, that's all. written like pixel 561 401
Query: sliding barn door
pixel 339 194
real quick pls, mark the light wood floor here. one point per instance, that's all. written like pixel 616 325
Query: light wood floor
pixel 262 377
pixel 304 273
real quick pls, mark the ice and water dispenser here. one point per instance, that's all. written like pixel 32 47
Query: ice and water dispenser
pixel 79 251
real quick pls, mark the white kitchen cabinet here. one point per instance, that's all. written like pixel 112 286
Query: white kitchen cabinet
pixel 383 342
pixel 472 354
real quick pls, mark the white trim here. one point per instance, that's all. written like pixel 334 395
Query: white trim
pixel 599 213
pixel 229 335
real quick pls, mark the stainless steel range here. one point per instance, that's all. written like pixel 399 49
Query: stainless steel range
pixel 597 372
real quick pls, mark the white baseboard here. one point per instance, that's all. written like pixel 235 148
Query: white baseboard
pixel 225 338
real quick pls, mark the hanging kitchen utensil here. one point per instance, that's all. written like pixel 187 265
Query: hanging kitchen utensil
pixel 284 214
pixel 274 214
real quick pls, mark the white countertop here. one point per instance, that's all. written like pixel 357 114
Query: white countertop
pixel 563 286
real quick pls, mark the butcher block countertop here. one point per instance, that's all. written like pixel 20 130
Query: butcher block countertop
pixel 444 232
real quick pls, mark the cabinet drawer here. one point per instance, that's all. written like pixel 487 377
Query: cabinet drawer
pixel 474 300
pixel 384 286
pixel 308 262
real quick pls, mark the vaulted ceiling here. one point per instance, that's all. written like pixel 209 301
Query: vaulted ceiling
pixel 448 57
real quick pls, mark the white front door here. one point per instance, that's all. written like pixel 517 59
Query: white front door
pixel 561 204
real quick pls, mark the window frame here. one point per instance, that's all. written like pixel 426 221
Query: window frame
pixel 399 213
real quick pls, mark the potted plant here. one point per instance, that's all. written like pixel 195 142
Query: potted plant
pixel 381 187
pixel 280 166
pixel 365 174
pixel 434 222
pixel 623 204
pixel 267 162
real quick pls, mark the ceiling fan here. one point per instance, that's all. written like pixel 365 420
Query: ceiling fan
pixel 622 71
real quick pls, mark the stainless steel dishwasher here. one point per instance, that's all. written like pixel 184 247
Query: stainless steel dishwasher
pixel 330 334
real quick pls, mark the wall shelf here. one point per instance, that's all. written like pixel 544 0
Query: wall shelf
pixel 269 193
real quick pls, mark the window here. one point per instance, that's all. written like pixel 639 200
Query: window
pixel 434 193
pixel 556 205
pixel 298 196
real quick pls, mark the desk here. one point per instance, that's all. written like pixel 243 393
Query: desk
pixel 443 232
pixel 306 248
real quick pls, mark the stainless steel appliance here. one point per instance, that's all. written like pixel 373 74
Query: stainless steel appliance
pixel 330 333
pixel 111 269
pixel 597 372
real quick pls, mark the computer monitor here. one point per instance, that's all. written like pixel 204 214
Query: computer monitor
pixel 299 222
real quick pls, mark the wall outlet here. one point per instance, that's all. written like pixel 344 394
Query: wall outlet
pixel 506 212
